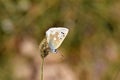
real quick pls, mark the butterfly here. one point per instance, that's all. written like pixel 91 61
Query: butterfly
pixel 55 37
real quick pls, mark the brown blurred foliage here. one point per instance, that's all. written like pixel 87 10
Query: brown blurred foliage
pixel 91 49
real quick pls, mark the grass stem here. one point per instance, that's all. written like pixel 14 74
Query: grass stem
pixel 41 69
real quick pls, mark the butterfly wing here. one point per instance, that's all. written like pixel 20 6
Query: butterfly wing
pixel 55 36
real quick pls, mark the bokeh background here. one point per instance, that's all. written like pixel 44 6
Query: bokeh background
pixel 90 51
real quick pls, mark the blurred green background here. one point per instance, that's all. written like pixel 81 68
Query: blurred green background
pixel 91 49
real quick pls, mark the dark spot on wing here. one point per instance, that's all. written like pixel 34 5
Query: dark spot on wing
pixel 60 38
pixel 62 32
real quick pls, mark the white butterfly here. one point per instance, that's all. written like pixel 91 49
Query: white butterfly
pixel 55 37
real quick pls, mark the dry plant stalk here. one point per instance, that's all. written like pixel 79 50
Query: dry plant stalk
pixel 44 50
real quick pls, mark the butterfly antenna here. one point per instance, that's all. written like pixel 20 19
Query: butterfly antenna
pixel 61 54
